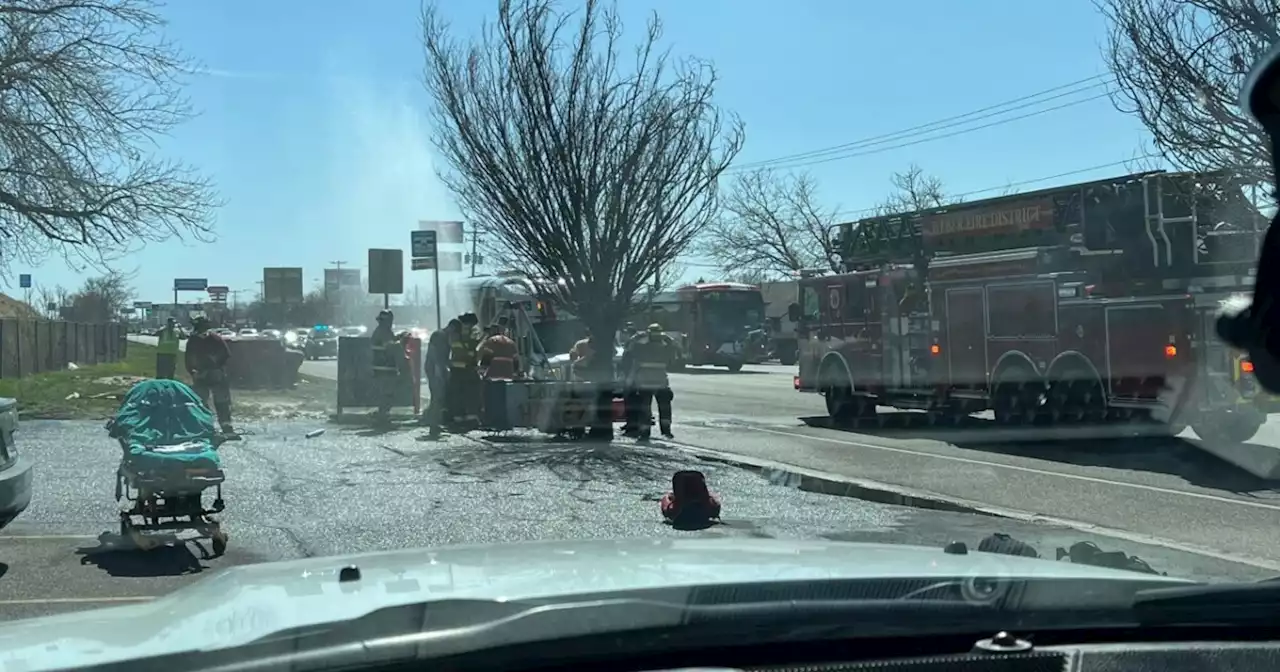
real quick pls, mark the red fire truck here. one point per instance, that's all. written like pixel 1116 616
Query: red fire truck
pixel 1088 303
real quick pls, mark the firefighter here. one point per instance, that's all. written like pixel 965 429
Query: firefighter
pixel 385 362
pixel 436 370
pixel 651 355
pixel 206 361
pixel 167 342
pixel 463 377
pixel 498 354
pixel 580 356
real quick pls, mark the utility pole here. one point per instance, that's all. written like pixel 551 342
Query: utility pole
pixel 475 240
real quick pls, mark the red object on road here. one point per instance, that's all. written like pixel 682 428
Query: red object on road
pixel 619 411
pixel 690 501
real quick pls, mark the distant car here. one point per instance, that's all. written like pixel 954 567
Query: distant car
pixel 15 470
pixel 248 333
pixel 321 342
pixel 273 334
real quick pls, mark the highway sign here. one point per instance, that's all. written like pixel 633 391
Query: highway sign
pixel 190 284
pixel 446 261
pixel 142 305
pixel 423 244
pixel 282 285
pixel 386 271
pixel 24 280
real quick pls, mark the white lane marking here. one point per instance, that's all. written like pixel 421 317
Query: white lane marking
pixel 76 600
pixel 1030 470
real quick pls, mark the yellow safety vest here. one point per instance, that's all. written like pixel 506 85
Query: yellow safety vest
pixel 167 342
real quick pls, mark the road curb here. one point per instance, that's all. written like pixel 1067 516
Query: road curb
pixel 839 485
pixel 819 482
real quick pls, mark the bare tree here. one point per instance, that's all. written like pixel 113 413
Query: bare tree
pixel 914 190
pixel 772 225
pixel 586 164
pixel 1179 65
pixel 86 87
pixel 100 299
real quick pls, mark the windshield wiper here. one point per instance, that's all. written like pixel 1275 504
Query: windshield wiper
pixel 1224 604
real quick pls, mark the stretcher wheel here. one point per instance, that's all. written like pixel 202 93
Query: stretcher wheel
pixel 219 540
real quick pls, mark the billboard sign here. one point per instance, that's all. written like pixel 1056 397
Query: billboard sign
pixel 338 279
pixel 282 285
pixel 446 232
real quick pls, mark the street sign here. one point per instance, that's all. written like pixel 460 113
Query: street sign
pixel 142 305
pixel 282 285
pixel 190 284
pixel 24 281
pixel 446 232
pixel 445 261
pixel 386 271
pixel 422 244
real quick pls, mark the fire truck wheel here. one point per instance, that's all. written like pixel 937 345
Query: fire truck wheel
pixel 1228 426
pixel 1017 402
pixel 735 367
pixel 1076 398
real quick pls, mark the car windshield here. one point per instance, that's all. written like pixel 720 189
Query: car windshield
pixel 896 273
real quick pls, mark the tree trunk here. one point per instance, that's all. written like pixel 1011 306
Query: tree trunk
pixel 601 370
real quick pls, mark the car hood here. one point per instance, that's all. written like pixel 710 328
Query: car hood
pixel 244 603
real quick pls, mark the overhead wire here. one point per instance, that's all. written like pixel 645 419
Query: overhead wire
pixel 852 149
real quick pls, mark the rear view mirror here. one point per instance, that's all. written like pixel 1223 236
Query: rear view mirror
pixel 793 312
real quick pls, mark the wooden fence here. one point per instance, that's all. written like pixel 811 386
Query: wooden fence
pixel 34 346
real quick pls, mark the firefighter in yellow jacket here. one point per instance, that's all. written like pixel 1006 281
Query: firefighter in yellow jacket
pixel 649 355
pixel 463 396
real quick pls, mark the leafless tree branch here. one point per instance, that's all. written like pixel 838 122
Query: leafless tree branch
pixel 772 225
pixel 587 164
pixel 913 190
pixel 1179 65
pixel 86 88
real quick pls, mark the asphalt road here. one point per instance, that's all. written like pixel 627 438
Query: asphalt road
pixel 356 490
pixel 1163 490
pixel 1159 491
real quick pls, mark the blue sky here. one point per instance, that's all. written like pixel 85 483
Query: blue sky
pixel 313 120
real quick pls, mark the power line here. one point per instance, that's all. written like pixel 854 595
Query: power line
pixel 1020 183
pixel 944 136
pixel 1021 102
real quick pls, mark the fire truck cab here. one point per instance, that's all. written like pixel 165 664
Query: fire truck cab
pixel 1084 304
